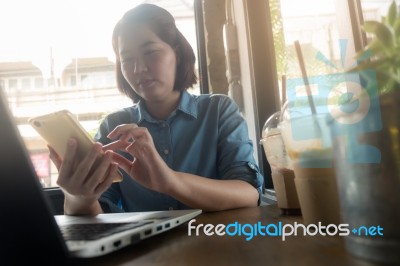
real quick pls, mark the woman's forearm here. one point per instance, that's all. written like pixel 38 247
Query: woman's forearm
pixel 210 194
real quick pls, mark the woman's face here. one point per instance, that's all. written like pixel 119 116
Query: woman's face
pixel 147 63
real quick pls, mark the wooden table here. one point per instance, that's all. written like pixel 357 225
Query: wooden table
pixel 177 248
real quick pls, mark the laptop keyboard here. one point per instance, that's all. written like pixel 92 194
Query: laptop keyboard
pixel 96 231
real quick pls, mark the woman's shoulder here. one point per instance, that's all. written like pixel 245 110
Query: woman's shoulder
pixel 122 116
pixel 217 99
pixel 220 102
pixel 210 96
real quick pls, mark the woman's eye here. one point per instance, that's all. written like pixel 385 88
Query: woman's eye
pixel 149 52
pixel 127 61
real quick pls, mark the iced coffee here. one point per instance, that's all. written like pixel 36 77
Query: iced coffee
pixel 314 172
pixel 281 170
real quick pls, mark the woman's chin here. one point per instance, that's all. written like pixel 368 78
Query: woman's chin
pixel 157 95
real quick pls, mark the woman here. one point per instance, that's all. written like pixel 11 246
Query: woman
pixel 177 150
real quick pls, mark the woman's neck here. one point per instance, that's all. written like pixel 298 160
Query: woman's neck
pixel 162 109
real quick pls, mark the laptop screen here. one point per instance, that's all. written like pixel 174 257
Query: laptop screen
pixel 28 228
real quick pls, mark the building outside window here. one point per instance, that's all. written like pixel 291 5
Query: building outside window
pixel 68 62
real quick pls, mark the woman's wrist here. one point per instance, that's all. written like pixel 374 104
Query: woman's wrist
pixel 78 206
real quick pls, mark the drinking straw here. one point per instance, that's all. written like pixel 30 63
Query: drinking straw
pixel 308 89
pixel 305 77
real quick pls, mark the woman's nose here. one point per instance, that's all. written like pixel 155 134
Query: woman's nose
pixel 140 66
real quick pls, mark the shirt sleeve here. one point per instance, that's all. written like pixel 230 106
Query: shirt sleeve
pixel 236 160
pixel 109 123
pixel 110 201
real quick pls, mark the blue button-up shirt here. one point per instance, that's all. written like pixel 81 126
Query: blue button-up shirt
pixel 206 135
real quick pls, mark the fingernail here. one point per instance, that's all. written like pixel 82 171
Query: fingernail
pixel 71 142
pixel 98 147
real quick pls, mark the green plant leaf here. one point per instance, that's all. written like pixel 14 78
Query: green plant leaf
pixel 382 54
pixel 370 26
pixel 372 49
pixel 396 28
pixel 392 14
pixel 385 35
pixel 368 65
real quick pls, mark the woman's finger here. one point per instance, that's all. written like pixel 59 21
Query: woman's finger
pixel 121 130
pixel 122 162
pixel 116 145
pixel 54 157
pixel 100 172
pixel 102 186
pixel 87 163
pixel 68 162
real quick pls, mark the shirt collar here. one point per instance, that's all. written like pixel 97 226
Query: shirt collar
pixel 187 104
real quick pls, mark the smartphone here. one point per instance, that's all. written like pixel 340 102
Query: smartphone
pixel 56 128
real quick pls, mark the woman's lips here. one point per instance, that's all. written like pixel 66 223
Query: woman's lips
pixel 145 83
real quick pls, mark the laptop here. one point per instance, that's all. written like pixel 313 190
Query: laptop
pixel 29 231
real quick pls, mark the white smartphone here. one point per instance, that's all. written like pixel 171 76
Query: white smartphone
pixel 56 128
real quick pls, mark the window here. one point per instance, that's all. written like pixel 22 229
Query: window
pixel 263 25
pixel 72 81
pixel 318 26
pixel 374 10
pixel 68 62
pixel 39 83
pixel 315 25
pixel 26 84
pixel 12 85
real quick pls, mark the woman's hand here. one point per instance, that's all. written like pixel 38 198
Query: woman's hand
pixel 150 170
pixel 147 167
pixel 84 181
pixel 55 157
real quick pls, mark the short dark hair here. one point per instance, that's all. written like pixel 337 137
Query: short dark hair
pixel 162 23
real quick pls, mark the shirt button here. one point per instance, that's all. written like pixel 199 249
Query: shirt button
pixel 166 151
pixel 164 125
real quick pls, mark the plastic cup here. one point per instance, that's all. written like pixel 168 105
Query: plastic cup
pixel 281 170
pixel 308 144
pixel 367 157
